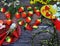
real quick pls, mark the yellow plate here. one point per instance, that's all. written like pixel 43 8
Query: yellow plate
pixel 52 10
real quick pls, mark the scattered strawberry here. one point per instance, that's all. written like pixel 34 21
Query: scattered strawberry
pixel 37 12
pixel 29 8
pixel 24 15
pixel 3 10
pixel 21 9
pixel 28 27
pixel 48 14
pixel 28 19
pixel 21 22
pixel 30 13
pixel 35 26
pixel 37 22
pixel 17 15
pixel 8 15
pixel 47 7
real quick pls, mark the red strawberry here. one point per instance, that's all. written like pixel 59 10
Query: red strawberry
pixel 35 26
pixel 47 7
pixel 8 15
pixel 36 8
pixel 28 27
pixel 29 8
pixel 28 19
pixel 37 12
pixel 17 15
pixel 8 22
pixel 21 9
pixel 21 22
pixel 30 13
pixel 48 14
pixel 24 14
pixel 15 33
pixel 3 10
pixel 37 22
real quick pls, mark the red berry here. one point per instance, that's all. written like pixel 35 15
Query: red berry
pixel 30 13
pixel 37 12
pixel 3 10
pixel 47 7
pixel 28 19
pixel 17 15
pixel 8 15
pixel 28 27
pixel 24 14
pixel 48 14
pixel 21 9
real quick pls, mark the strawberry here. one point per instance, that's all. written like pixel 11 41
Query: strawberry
pixel 24 15
pixel 21 22
pixel 36 8
pixel 8 22
pixel 37 22
pixel 35 26
pixel 8 15
pixel 47 7
pixel 28 19
pixel 21 9
pixel 17 15
pixel 29 8
pixel 30 13
pixel 37 12
pixel 15 33
pixel 48 14
pixel 3 10
pixel 28 27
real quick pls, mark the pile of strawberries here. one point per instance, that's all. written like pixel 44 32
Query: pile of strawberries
pixel 27 16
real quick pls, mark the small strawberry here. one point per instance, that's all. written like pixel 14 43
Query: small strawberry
pixel 37 12
pixel 28 27
pixel 30 13
pixel 8 15
pixel 3 10
pixel 21 22
pixel 48 14
pixel 8 22
pixel 15 33
pixel 29 8
pixel 47 7
pixel 28 19
pixel 24 15
pixel 21 9
pixel 17 15
pixel 37 22
pixel 35 26
pixel 36 8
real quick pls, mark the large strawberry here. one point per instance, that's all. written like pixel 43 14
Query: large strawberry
pixel 3 9
pixel 28 19
pixel 24 15
pixel 17 15
pixel 8 15
pixel 21 9
pixel 28 27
